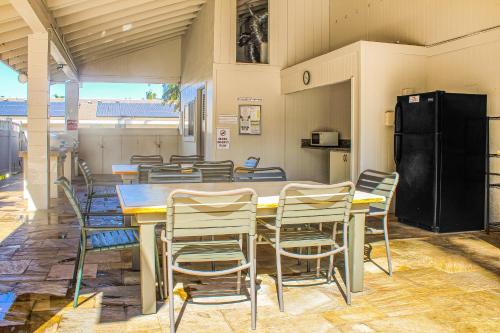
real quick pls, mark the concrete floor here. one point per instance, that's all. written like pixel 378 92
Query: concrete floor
pixel 441 283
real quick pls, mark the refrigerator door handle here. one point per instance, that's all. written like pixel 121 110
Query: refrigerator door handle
pixel 398 118
pixel 397 148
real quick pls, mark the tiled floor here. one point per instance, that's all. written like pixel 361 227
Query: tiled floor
pixel 442 283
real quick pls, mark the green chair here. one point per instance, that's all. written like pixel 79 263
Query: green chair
pixel 186 159
pixel 302 212
pixel 146 159
pixel 168 175
pixel 381 183
pixel 91 184
pixel 195 214
pixel 145 169
pixel 216 171
pixel 272 174
pixel 99 238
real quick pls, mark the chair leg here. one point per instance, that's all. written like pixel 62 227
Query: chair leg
pixel 238 281
pixel 308 262
pixel 170 280
pixel 158 274
pixel 253 292
pixel 77 261
pixel 279 279
pixel 318 263
pixel 330 267
pixel 387 248
pixel 164 268
pixel 79 276
pixel 346 268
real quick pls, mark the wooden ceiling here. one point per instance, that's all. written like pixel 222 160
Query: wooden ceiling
pixel 95 30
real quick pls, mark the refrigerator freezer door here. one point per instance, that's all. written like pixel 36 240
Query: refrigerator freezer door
pixel 417 113
pixel 415 203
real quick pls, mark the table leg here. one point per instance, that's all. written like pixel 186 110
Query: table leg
pixel 357 250
pixel 148 277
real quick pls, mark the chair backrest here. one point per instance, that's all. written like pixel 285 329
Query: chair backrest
pixel 87 174
pixel 381 183
pixel 272 174
pixel 251 162
pixel 145 169
pixel 216 171
pixel 72 198
pixel 195 213
pixel 186 159
pixel 303 203
pixel 146 159
pixel 166 175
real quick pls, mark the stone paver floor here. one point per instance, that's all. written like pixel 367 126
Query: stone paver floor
pixel 441 283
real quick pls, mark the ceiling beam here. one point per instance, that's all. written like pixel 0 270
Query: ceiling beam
pixel 12 25
pixel 131 35
pixel 7 13
pixel 9 46
pixel 14 53
pixel 128 50
pixel 134 27
pixel 79 7
pixel 39 19
pixel 18 60
pixel 129 39
pixel 103 11
pixel 15 34
pixel 126 16
pixel 56 4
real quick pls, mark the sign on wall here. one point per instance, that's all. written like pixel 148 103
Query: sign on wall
pixel 223 138
pixel 249 119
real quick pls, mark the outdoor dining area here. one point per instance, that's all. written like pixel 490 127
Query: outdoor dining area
pixel 212 212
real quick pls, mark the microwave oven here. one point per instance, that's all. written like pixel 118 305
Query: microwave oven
pixel 326 139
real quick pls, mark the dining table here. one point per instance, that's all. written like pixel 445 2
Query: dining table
pixel 147 203
pixel 129 173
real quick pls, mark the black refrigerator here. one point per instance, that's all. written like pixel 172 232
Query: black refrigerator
pixel 440 154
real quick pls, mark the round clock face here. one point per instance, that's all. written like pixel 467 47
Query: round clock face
pixel 306 77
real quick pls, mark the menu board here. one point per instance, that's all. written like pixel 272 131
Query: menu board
pixel 249 119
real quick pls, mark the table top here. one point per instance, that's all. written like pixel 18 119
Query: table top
pixel 152 198
pixel 125 169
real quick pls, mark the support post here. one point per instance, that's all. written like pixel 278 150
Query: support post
pixel 38 122
pixel 72 98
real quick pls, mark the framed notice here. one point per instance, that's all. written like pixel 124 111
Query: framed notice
pixel 223 138
pixel 249 119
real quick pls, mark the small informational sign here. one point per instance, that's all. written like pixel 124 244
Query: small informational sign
pixel 228 119
pixel 250 99
pixel 71 125
pixel 250 119
pixel 414 99
pixel 223 138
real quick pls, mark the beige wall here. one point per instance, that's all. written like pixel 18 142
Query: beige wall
pixel 472 66
pixel 197 69
pixel 386 70
pixel 417 22
pixel 263 82
pixel 157 64
pixel 326 108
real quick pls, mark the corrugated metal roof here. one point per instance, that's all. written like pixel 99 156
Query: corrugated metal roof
pixel 144 110
pixel 117 110
pixel 20 109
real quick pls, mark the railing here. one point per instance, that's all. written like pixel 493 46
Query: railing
pixel 12 140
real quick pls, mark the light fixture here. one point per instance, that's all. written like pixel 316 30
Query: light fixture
pixel 22 78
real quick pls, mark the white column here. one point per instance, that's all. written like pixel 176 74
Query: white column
pixel 72 98
pixel 38 122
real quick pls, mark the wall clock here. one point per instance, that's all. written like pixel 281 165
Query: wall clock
pixel 306 77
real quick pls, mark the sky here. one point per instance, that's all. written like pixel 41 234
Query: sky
pixel 11 88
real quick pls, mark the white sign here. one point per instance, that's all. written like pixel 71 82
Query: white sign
pixel 414 99
pixel 228 119
pixel 223 138
pixel 250 99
